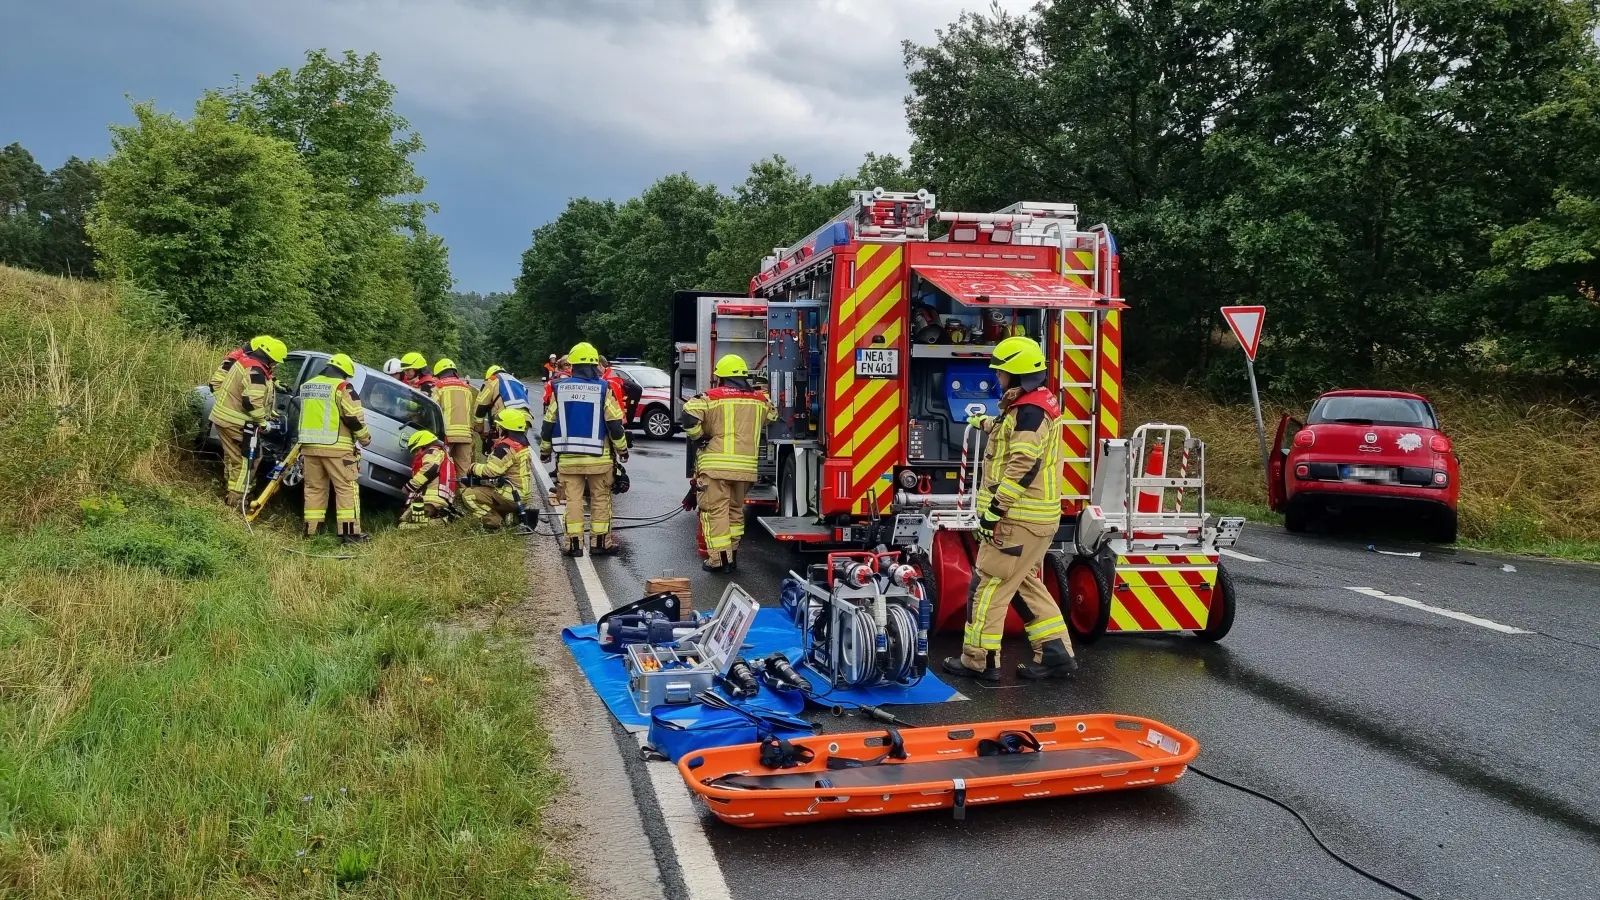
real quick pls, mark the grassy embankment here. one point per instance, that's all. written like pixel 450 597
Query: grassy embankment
pixel 188 709
pixel 1530 470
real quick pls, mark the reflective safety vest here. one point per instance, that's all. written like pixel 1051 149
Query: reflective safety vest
pixel 580 417
pixel 455 397
pixel 513 395
pixel 319 413
pixel 1023 467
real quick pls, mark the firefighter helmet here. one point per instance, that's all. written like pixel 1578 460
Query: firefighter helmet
pixel 343 363
pixel 414 360
pixel 583 353
pixel 421 438
pixel 512 420
pixel 391 366
pixel 493 370
pixel 732 366
pixel 271 346
pixel 1019 356
pixel 444 365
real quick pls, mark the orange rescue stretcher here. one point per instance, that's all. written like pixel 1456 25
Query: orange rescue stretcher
pixel 876 773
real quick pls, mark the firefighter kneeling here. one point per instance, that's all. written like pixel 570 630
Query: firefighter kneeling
pixel 726 424
pixel 582 426
pixel 331 423
pixel 433 481
pixel 498 486
pixel 1020 501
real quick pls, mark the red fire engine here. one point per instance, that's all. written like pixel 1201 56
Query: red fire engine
pixel 874 340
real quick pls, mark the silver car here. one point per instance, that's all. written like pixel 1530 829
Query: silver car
pixel 394 411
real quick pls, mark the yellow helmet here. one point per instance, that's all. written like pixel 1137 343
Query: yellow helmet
pixel 512 419
pixel 271 346
pixel 583 353
pixel 732 366
pixel 444 365
pixel 493 369
pixel 343 363
pixel 1019 356
pixel 414 360
pixel 420 438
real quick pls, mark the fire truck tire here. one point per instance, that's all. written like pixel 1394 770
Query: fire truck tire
pixel 1220 621
pixel 1086 596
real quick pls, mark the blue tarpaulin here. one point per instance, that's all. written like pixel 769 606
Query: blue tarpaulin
pixel 772 632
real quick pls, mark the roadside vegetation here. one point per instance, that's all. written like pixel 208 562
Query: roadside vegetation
pixel 191 709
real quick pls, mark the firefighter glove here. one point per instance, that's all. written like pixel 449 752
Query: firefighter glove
pixel 546 455
pixel 987 523
pixel 622 454
pixel 980 422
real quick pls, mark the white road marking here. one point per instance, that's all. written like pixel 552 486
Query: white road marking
pixel 702 874
pixel 1234 554
pixel 1439 611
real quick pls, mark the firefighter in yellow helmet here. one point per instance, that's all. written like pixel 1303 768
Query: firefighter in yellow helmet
pixel 1020 504
pixel 455 398
pixel 332 423
pixel 583 430
pixel 433 480
pixel 243 389
pixel 726 424
pixel 499 485
pixel 501 390
pixel 414 372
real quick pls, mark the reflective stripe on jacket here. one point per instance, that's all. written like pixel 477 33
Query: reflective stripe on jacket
pixel 245 395
pixel 511 463
pixel 729 423
pixel 433 475
pixel 1022 469
pixel 331 417
pixel 455 399
pixel 228 362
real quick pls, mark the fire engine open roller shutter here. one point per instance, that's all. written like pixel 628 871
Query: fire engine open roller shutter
pixel 1038 288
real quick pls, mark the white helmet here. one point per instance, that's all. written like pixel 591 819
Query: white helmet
pixel 391 366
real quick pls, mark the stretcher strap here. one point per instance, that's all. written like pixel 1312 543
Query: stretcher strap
pixel 897 750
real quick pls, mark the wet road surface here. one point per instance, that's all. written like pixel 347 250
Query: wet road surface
pixel 1447 756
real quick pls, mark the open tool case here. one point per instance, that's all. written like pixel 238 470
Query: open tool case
pixel 662 674
pixel 948 767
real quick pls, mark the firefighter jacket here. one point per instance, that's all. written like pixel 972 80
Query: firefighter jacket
pixel 422 381
pixel 433 475
pixel 245 396
pixel 500 392
pixel 582 424
pixel 1022 465
pixel 509 465
pixel 227 363
pixel 455 399
pixel 727 423
pixel 331 417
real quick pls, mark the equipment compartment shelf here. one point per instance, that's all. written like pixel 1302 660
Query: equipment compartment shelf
pixel 951 351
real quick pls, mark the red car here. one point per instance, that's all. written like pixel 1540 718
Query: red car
pixel 1366 451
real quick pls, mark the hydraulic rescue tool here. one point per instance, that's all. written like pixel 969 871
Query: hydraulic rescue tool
pixel 864 618
pixel 284 471
pixel 672 672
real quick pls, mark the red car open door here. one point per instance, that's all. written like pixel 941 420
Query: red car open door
pixel 1277 490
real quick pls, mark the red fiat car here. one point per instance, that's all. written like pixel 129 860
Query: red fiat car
pixel 1366 451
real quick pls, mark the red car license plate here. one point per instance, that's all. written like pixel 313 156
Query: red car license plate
pixel 1369 473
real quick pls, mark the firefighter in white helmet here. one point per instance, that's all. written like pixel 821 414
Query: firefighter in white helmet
pixel 1020 500
pixel 726 424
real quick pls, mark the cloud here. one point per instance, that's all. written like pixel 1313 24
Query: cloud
pixel 701 79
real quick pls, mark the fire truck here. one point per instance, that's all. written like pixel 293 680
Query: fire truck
pixel 873 339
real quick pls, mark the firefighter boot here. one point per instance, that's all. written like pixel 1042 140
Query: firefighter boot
pixel 733 561
pixel 715 563
pixel 605 545
pixel 991 671
pixel 1055 661
pixel 574 547
pixel 349 535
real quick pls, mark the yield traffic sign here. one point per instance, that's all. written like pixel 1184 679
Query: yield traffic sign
pixel 1246 323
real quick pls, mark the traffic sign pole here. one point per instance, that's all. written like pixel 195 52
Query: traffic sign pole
pixel 1255 398
pixel 1246 322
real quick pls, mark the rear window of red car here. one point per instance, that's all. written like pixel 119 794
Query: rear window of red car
pixel 1355 410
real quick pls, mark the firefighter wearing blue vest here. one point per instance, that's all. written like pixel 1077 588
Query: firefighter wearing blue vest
pixel 1020 499
pixel 332 423
pixel 583 430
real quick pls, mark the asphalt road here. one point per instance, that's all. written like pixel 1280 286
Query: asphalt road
pixel 1444 755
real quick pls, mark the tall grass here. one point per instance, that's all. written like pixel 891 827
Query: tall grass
pixel 88 395
pixel 1530 466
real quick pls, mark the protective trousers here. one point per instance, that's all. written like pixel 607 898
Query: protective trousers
pixel 339 474
pixel 721 514
pixel 419 514
pixel 1006 567
pixel 461 455
pixel 234 453
pixel 488 504
pixel 599 485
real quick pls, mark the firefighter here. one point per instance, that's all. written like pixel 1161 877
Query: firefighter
pixel 501 390
pixel 243 388
pixel 332 423
pixel 433 480
pixel 500 484
pixel 1020 499
pixel 455 398
pixel 414 371
pixel 726 424
pixel 583 430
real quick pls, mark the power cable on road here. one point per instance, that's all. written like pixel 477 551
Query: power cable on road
pixel 1376 879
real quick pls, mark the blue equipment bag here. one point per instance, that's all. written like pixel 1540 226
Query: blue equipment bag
pixel 513 394
pixel 676 731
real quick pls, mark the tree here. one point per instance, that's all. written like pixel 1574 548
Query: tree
pixel 557 287
pixel 216 217
pixel 42 217
pixel 473 313
pixel 22 181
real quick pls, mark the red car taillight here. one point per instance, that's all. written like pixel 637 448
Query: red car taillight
pixel 1305 437
pixel 1439 443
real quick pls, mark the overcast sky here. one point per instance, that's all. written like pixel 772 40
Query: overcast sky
pixel 522 103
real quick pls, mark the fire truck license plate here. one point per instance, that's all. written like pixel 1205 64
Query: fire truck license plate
pixel 878 363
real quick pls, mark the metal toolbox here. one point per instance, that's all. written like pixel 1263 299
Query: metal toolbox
pixel 662 675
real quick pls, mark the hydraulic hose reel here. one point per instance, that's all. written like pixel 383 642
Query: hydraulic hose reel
pixel 864 618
